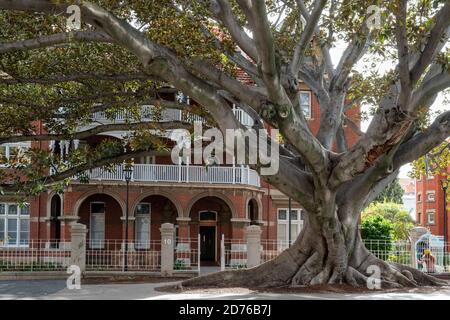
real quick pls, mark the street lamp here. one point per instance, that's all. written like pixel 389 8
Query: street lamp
pixel 127 174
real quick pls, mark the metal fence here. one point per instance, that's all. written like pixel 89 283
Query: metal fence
pixel 110 255
pixel 428 256
pixel 270 249
pixel 233 253
pixel 36 255
pixel 187 254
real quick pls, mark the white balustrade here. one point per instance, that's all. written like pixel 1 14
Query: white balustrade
pixel 150 113
pixel 180 173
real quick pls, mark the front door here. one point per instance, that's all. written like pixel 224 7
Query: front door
pixel 208 243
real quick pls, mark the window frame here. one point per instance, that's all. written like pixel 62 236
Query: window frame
pixel 19 217
pixel 431 193
pixel 21 148
pixel 137 217
pixel 203 211
pixel 298 222
pixel 309 117
pixel 433 214
pixel 101 244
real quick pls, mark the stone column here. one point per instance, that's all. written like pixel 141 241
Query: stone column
pixel 167 253
pixel 415 235
pixel 66 227
pixel 78 246
pixel 253 234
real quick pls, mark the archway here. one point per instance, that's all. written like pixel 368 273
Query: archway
pixel 211 218
pixel 55 222
pixel 253 212
pixel 101 213
pixel 150 212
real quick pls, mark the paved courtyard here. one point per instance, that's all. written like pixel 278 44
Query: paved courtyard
pixel 56 289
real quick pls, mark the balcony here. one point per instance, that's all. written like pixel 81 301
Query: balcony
pixel 241 175
pixel 149 113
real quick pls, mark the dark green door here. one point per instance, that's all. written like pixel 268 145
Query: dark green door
pixel 208 243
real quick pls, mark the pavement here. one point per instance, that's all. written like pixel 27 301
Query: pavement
pixel 57 290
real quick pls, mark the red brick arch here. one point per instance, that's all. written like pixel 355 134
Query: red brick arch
pixel 219 195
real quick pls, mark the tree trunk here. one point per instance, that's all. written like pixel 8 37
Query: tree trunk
pixel 327 251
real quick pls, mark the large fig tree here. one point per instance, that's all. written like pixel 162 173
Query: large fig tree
pixel 125 52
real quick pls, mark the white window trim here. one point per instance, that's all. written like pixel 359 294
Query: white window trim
pixel 434 196
pixel 19 217
pixel 140 215
pixel 297 222
pixel 287 211
pixel 310 103
pixel 101 245
pixel 428 217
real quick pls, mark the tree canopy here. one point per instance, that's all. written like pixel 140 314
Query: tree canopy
pixel 126 53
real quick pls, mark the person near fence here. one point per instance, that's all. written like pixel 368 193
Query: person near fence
pixel 429 260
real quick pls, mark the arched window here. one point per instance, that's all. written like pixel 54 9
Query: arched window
pixel 252 210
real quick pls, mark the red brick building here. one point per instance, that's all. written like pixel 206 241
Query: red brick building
pixel 430 204
pixel 222 200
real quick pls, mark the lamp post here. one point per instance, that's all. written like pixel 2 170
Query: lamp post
pixel 289 222
pixel 444 188
pixel 127 173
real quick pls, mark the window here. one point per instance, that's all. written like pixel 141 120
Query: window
pixel 142 214
pixel 419 218
pixel 14 224
pixel 430 215
pixel 430 196
pixel 3 157
pixel 207 215
pixel 11 152
pixel 419 197
pixel 97 224
pixel 283 225
pixel 305 103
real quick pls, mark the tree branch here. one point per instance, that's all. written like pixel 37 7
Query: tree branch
pixel 307 34
pixel 79 77
pixel 442 23
pixel 81 135
pixel 54 39
pixel 222 10
pixel 423 142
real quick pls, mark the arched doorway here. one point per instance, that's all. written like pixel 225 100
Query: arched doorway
pixel 101 213
pixel 210 217
pixel 252 210
pixel 55 222
pixel 150 212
